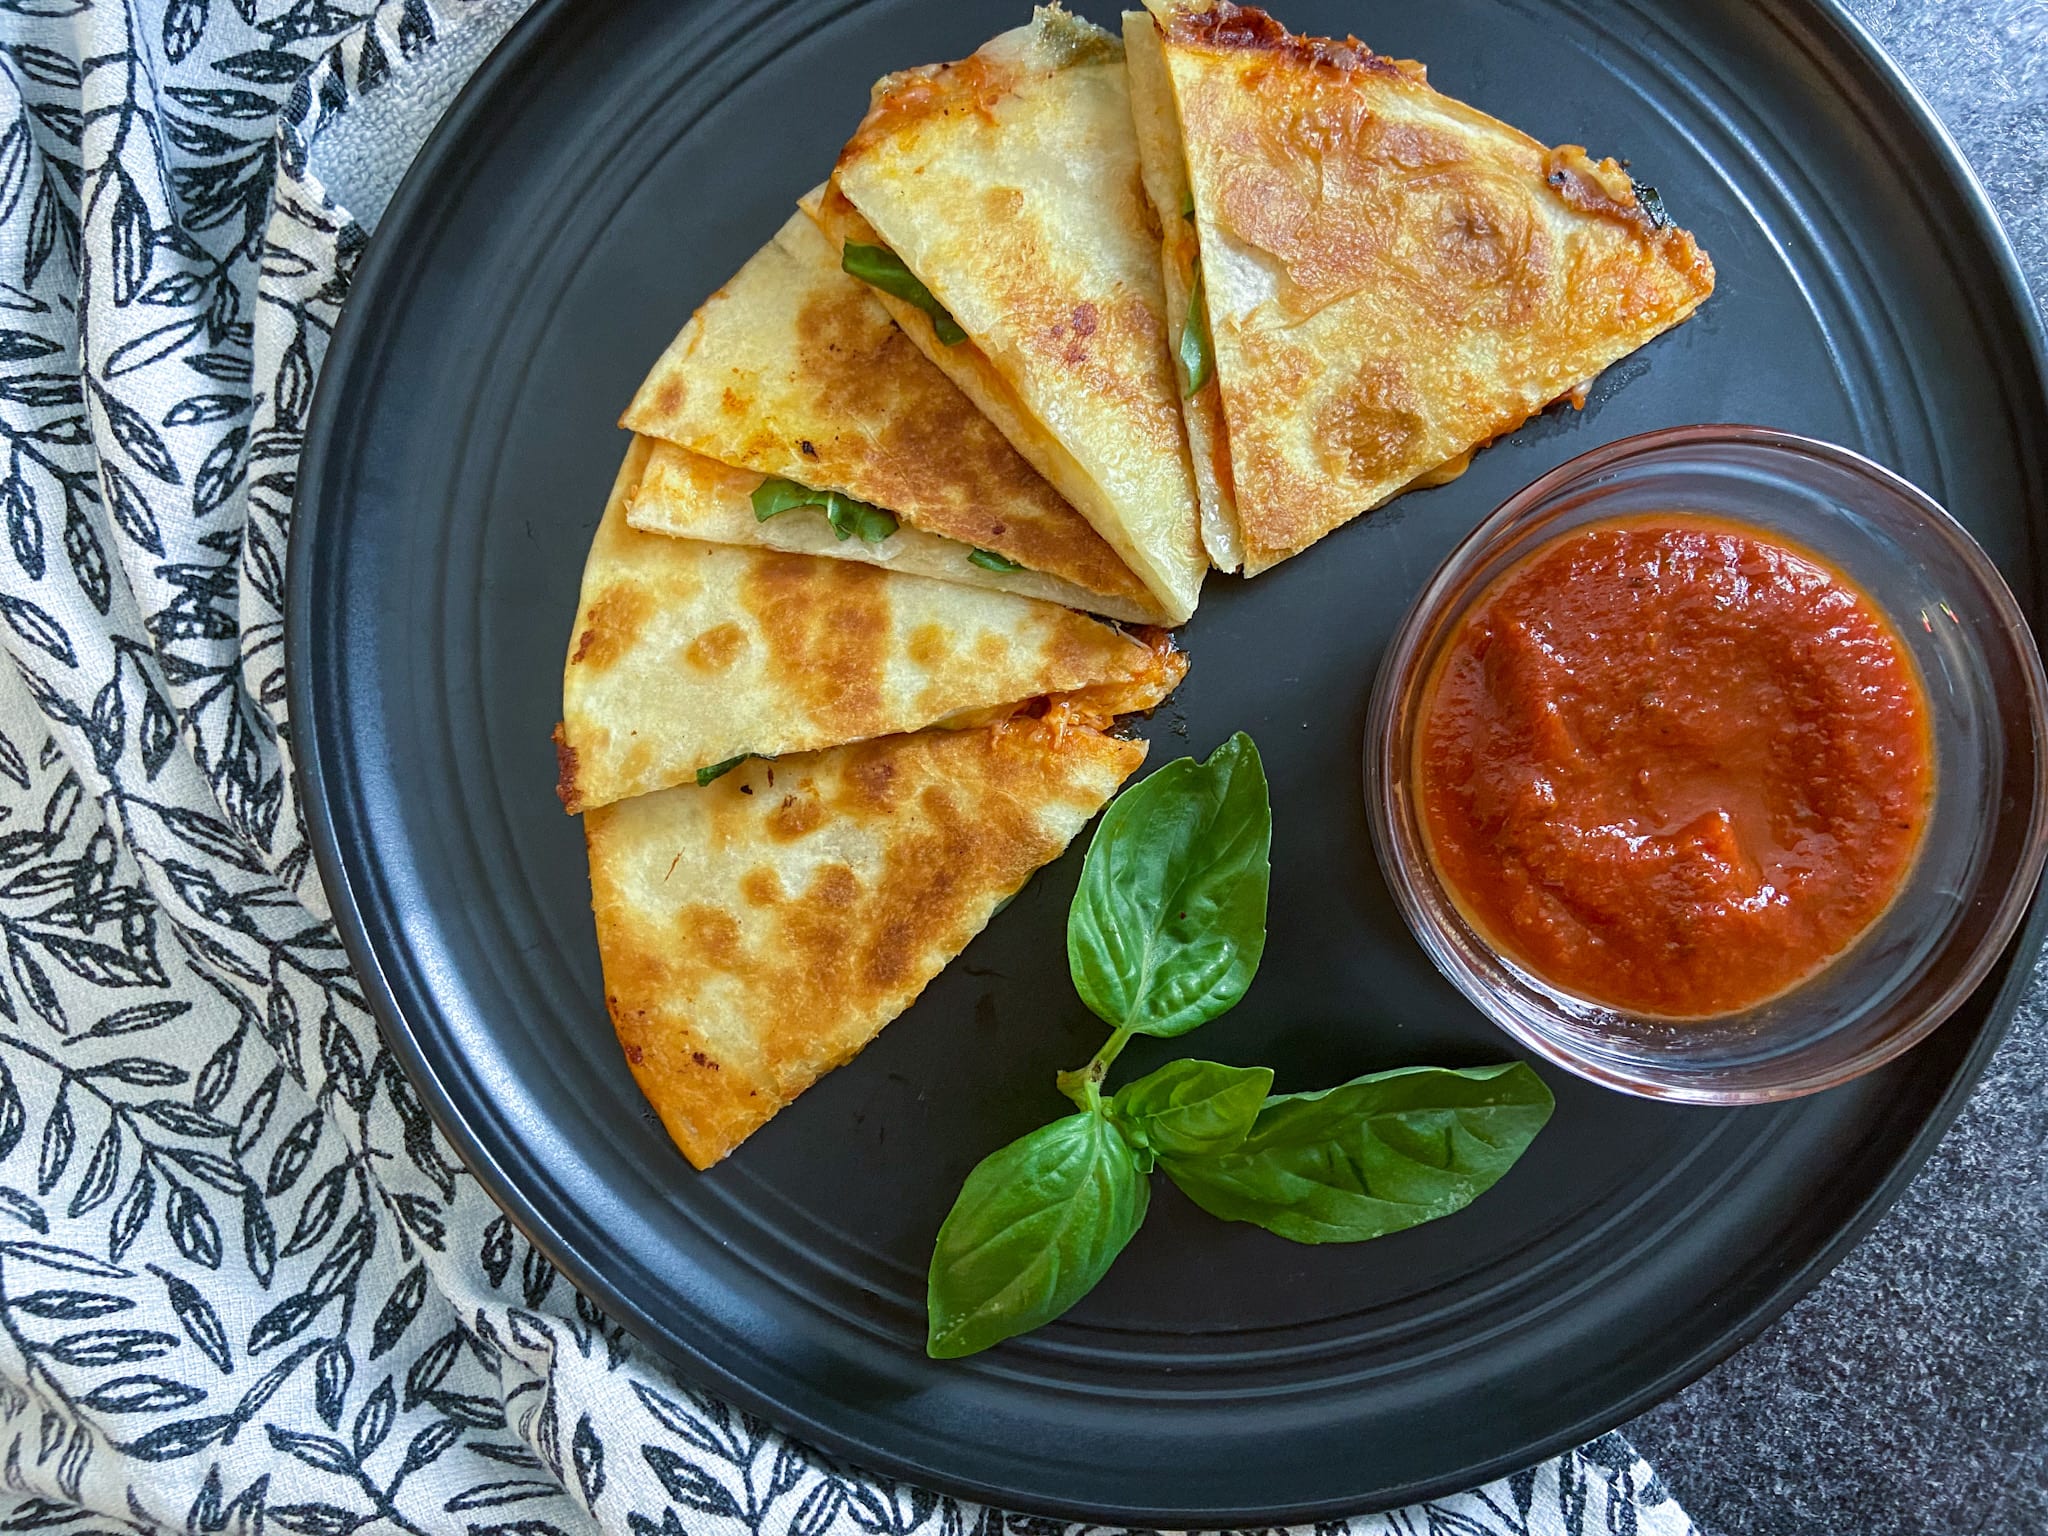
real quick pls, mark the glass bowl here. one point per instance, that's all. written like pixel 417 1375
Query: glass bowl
pixel 1985 839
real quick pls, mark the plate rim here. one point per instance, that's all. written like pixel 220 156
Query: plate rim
pixel 517 50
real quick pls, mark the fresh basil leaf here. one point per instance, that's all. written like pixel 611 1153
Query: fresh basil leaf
pixel 989 560
pixel 1191 1108
pixel 880 267
pixel 1169 922
pixel 720 770
pixel 774 496
pixel 1036 1225
pixel 1373 1155
pixel 1187 202
pixel 1197 356
pixel 857 519
pixel 849 518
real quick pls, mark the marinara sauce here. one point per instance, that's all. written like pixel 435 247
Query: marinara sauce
pixel 1673 765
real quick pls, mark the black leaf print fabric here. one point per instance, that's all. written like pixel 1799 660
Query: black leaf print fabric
pixel 244 1284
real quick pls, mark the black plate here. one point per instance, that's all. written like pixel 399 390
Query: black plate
pixel 614 162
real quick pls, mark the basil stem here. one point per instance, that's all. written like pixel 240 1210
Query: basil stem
pixel 880 267
pixel 989 560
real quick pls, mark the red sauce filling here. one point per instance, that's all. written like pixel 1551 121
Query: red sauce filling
pixel 1673 765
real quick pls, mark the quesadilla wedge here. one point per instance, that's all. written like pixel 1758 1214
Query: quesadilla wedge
pixel 795 371
pixel 759 931
pixel 1002 193
pixel 688 496
pixel 1390 277
pixel 1166 185
pixel 686 656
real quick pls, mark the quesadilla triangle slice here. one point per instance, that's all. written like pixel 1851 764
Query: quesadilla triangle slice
pixel 686 495
pixel 686 655
pixel 1390 277
pixel 759 931
pixel 996 203
pixel 1166 187
pixel 794 371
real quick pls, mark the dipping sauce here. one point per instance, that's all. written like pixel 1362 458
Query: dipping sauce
pixel 1673 765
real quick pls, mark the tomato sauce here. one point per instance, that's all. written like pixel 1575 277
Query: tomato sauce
pixel 1673 765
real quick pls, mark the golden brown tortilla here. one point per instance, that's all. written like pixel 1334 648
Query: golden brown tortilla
pixel 1166 186
pixel 1008 183
pixel 761 930
pixel 794 369
pixel 687 654
pixel 1393 278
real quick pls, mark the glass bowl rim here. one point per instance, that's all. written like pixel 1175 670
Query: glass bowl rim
pixel 1405 870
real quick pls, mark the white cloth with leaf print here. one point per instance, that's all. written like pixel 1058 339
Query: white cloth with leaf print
pixel 244 1285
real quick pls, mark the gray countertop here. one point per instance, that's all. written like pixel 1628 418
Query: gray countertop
pixel 1909 1392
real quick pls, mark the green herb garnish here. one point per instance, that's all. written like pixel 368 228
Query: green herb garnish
pixel 989 560
pixel 1372 1156
pixel 1165 933
pixel 849 518
pixel 1037 1224
pixel 1188 1108
pixel 720 770
pixel 1170 918
pixel 1187 202
pixel 1197 358
pixel 880 267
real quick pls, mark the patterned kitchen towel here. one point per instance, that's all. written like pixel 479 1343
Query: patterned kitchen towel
pixel 244 1285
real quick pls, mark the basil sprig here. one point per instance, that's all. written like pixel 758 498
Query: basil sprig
pixel 989 560
pixel 849 518
pixel 1166 932
pixel 1197 355
pixel 880 267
